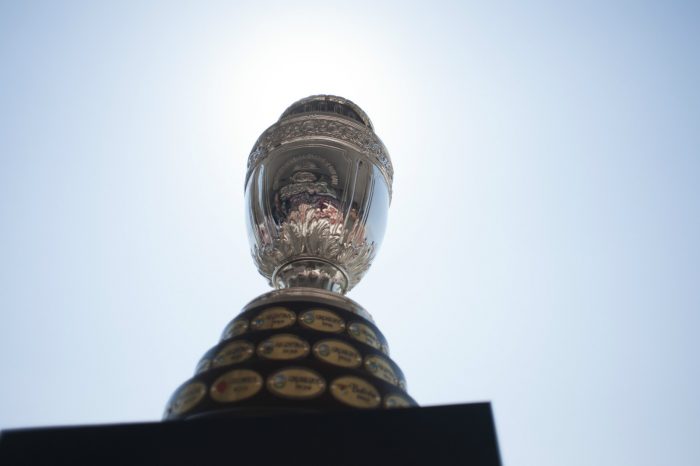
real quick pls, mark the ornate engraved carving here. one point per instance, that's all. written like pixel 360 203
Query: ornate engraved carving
pixel 324 126
pixel 313 231
pixel 328 103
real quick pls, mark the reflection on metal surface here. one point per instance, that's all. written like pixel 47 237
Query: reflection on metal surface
pixel 318 190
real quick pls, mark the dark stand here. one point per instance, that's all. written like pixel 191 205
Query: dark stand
pixel 443 435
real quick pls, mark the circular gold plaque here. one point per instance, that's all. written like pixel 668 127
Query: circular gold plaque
pixel 355 392
pixel 363 333
pixel 296 382
pixel 187 398
pixel 337 353
pixel 235 328
pixel 380 367
pixel 234 352
pixel 284 346
pixel 322 320
pixel 272 318
pixel 364 313
pixel 203 366
pixel 385 349
pixel 397 401
pixel 236 385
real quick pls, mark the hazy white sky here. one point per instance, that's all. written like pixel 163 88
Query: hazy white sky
pixel 542 247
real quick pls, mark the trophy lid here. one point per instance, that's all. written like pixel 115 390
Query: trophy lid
pixel 328 104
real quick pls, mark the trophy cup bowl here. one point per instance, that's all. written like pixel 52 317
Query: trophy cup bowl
pixel 317 190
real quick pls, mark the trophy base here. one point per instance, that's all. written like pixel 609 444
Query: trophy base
pixel 294 350
pixel 435 436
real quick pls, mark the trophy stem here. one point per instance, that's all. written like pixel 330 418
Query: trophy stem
pixel 311 273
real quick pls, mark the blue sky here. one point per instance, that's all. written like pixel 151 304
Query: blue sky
pixel 542 245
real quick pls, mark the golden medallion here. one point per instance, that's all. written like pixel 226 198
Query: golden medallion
pixel 272 318
pixel 322 320
pixel 296 382
pixel 365 334
pixel 355 392
pixel 203 366
pixel 235 328
pixel 337 353
pixel 380 367
pixel 187 398
pixel 236 385
pixel 397 401
pixel 362 313
pixel 234 352
pixel 284 346
pixel 385 349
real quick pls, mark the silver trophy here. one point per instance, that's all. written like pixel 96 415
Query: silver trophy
pixel 318 189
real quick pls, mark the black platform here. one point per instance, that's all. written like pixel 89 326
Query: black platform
pixel 442 435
